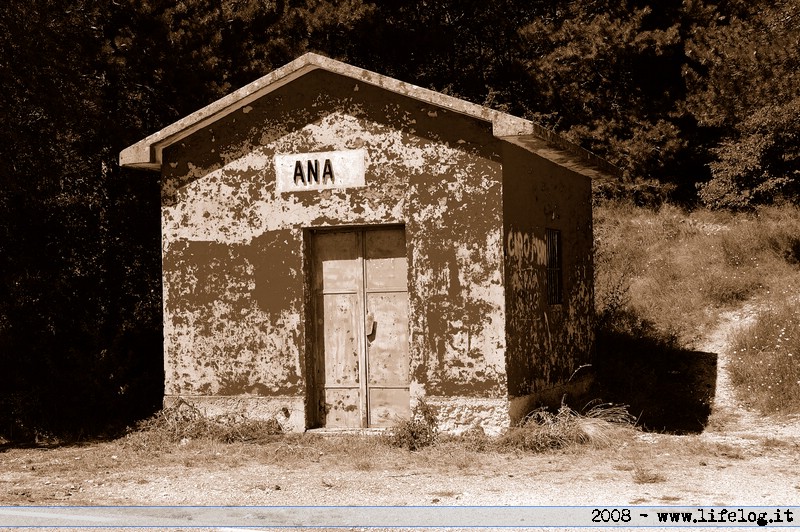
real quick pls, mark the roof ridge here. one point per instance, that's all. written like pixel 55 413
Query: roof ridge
pixel 147 153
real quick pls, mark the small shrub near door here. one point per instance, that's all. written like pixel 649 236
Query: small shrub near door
pixel 422 430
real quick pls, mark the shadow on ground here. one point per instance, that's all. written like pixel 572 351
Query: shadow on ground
pixel 667 388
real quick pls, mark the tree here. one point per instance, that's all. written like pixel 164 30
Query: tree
pixel 80 312
pixel 468 49
pixel 64 313
pixel 607 74
pixel 745 87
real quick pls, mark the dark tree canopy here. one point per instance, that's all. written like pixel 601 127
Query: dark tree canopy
pixel 698 98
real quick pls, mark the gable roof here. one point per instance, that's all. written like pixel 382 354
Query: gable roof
pixel 147 153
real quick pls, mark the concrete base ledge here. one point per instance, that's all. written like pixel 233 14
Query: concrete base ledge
pixel 455 414
pixel 574 394
pixel 289 412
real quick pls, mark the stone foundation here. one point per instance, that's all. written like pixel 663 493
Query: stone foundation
pixel 457 414
pixel 289 412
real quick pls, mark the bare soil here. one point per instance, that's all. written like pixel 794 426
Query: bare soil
pixel 740 459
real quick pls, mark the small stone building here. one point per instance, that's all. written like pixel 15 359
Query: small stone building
pixel 338 244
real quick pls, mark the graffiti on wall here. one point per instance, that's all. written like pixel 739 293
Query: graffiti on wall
pixel 525 248
pixel 545 341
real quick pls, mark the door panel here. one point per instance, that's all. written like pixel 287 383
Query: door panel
pixel 361 302
pixel 342 408
pixel 340 329
pixel 338 262
pixel 388 345
pixel 386 259
pixel 337 279
pixel 387 406
pixel 387 306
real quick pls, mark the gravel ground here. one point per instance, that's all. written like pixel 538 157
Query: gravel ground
pixel 742 459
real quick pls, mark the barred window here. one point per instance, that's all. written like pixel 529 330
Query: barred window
pixel 555 286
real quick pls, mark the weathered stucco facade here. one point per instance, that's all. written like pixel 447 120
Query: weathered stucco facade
pixel 337 244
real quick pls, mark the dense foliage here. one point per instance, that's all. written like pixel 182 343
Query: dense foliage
pixel 701 99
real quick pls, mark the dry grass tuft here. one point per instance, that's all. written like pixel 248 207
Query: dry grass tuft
pixel 183 422
pixel 475 439
pixel 544 431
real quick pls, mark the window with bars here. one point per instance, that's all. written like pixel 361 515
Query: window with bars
pixel 555 287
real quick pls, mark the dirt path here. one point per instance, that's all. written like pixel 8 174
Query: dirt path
pixel 733 418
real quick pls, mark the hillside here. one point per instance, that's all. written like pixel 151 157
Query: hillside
pixel 672 285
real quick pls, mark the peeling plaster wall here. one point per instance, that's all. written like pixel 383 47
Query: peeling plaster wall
pixel 545 343
pixel 235 287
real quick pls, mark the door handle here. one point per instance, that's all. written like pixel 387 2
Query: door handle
pixel 369 325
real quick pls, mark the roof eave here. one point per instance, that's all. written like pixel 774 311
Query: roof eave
pixel 550 146
pixel 147 153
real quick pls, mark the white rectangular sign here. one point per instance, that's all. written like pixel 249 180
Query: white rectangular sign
pixel 320 170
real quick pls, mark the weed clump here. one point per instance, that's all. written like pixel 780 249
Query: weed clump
pixel 421 430
pixel 543 430
pixel 184 422
pixel 475 439
pixel 643 475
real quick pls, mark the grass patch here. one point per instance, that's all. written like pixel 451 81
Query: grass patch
pixel 770 443
pixel 599 427
pixel 765 366
pixel 181 434
pixel 677 269
pixel 445 493
pixel 643 475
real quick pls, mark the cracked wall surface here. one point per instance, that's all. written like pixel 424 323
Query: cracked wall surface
pixel 484 342
pixel 235 269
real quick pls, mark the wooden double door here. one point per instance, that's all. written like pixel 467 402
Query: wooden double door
pixel 360 291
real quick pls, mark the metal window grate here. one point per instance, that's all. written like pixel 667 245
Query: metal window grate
pixel 555 295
